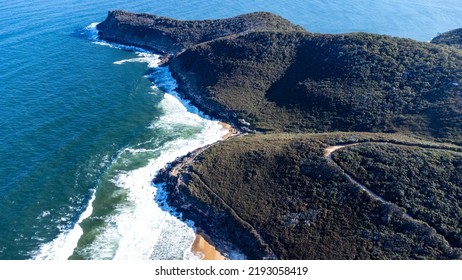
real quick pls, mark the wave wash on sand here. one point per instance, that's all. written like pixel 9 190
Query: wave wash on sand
pixel 139 225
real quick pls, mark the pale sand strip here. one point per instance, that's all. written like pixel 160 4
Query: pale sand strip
pixel 204 250
pixel 200 247
pixel 232 131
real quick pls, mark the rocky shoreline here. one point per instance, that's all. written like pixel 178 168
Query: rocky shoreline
pixel 219 222
pixel 273 195
pixel 209 107
pixel 170 36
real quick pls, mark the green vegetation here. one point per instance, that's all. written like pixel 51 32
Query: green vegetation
pixel 275 194
pixel 169 35
pixel 451 38
pixel 303 82
pixel 426 182
pixel 304 207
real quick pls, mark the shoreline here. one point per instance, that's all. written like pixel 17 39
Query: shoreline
pixel 204 250
pixel 231 130
pixel 249 245
pixel 201 248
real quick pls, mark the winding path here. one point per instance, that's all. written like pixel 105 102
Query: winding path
pixel 253 230
pixel 186 161
pixel 178 167
pixel 328 156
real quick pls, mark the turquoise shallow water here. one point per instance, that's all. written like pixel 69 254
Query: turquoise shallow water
pixel 81 136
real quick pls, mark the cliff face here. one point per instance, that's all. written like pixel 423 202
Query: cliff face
pixel 450 38
pixel 168 35
pixel 277 195
pixel 263 70
pixel 302 206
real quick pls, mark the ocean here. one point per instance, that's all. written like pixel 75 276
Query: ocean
pixel 85 125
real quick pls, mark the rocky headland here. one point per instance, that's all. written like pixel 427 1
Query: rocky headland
pixel 451 38
pixel 273 193
pixel 167 35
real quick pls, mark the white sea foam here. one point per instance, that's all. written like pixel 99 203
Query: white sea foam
pixel 92 35
pixel 43 214
pixel 152 60
pixel 91 31
pixel 62 247
pixel 140 228
pixel 164 81
pixel 144 230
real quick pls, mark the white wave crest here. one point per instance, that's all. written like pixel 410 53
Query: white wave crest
pixel 152 60
pixel 140 228
pixel 62 247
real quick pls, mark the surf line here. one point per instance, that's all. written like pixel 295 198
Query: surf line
pixel 200 248
pixel 63 246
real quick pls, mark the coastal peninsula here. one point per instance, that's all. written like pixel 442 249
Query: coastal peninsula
pixel 350 144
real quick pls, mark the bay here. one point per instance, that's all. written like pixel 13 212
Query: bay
pixel 81 136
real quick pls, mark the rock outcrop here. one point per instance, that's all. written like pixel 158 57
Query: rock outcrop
pixel 167 35
pixel 304 82
pixel 450 38
pixel 274 195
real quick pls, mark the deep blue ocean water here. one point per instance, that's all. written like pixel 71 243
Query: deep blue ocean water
pixel 84 128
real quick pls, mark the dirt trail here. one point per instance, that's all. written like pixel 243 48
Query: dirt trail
pixel 182 164
pixel 328 156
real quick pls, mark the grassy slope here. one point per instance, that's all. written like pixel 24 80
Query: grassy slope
pixel 426 182
pixel 298 81
pixel 303 82
pixel 303 206
pixel 170 35
pixel 451 38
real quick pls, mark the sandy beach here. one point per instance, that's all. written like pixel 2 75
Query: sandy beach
pixel 232 131
pixel 200 247
pixel 204 250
